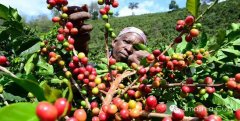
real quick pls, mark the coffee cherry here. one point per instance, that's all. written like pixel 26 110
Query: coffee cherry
pixel 237 114
pixel 100 2
pixel 95 118
pixel 46 111
pixel 210 90
pixel 80 115
pixel 95 90
pixel 179 28
pixel 132 104
pixel 94 104
pixel 178 40
pixel 151 102
pixel 181 22
pixel 186 89
pixel 208 80
pixel 71 41
pixel 84 60
pixel 194 32
pixel 142 71
pixel 231 84
pixel 112 61
pixel 188 38
pixel 200 111
pixel 95 111
pixel 167 119
pixel 124 113
pixel 60 37
pixel 237 77
pixel 177 114
pixel 74 31
pixel 189 20
pixel 61 104
pixel 161 108
pixel 107 8
pixel 102 11
pixel 102 116
pixel 213 118
pixel 55 19
pixel 115 4
pixel 69 25
pixel 3 60
pixel 107 26
pixel 156 53
pixel 134 113
pixel 64 16
pixel 72 119
pixel 112 109
pixel 162 58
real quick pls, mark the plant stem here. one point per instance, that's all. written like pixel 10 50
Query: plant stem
pixel 189 85
pixel 109 96
pixel 8 72
pixel 128 87
pixel 200 16
pixel 160 115
pixel 4 101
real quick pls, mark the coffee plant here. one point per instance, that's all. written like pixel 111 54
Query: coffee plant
pixel 48 78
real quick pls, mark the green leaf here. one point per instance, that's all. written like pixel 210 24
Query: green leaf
pixel 203 40
pixel 29 65
pixel 231 52
pixel 181 46
pixel 28 85
pixel 44 67
pixel 3 12
pixel 235 26
pixel 19 111
pixel 218 100
pixel 192 7
pixel 236 42
pixel 141 47
pixel 14 14
pixel 10 97
pixel 50 93
pixel 31 50
pixel 170 51
pixel 234 103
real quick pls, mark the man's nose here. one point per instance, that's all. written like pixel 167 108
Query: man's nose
pixel 129 48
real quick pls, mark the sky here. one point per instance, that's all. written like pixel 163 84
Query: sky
pixel 33 8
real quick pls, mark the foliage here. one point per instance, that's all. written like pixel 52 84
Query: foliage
pixel 160 27
pixel 43 69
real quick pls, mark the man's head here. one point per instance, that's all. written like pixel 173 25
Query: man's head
pixel 123 44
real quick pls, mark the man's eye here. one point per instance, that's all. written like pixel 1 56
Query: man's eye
pixel 126 41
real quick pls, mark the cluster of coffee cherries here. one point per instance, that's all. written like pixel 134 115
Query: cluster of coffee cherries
pixel 4 61
pixel 84 73
pixel 106 11
pixel 53 57
pixel 233 84
pixel 47 111
pixel 54 3
pixel 175 62
pixel 193 89
pixel 187 27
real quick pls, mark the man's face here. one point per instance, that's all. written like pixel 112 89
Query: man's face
pixel 123 46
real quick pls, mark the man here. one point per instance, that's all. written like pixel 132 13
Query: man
pixel 122 45
pixel 123 49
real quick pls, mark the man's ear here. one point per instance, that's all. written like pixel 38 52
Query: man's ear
pixel 114 42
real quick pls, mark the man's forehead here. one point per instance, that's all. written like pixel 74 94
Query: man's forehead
pixel 130 36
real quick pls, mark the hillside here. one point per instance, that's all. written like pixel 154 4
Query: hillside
pixel 160 27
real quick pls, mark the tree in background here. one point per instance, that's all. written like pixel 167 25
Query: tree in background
pixel 41 23
pixel 132 6
pixel 173 5
pixel 116 14
pixel 205 2
pixel 93 9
